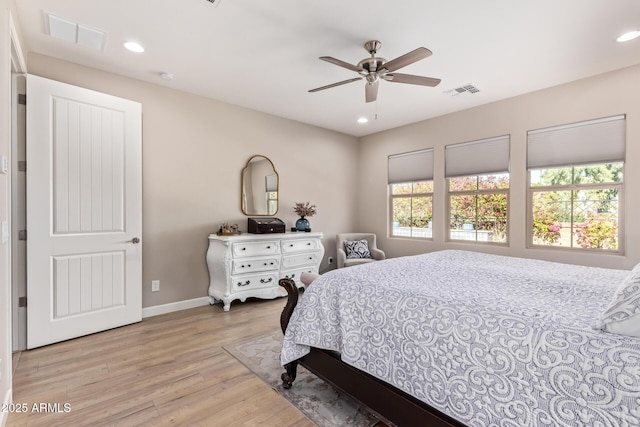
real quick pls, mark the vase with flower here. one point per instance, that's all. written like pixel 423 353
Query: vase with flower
pixel 304 209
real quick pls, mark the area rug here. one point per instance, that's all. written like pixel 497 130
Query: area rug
pixel 320 402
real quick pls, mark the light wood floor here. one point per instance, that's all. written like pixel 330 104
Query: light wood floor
pixel 166 370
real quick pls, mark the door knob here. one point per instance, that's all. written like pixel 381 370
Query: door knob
pixel 135 240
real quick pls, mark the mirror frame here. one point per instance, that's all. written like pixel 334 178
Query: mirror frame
pixel 242 187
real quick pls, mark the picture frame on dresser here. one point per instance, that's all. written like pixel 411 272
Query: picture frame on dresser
pixel 251 265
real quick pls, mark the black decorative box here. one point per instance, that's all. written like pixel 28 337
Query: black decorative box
pixel 265 225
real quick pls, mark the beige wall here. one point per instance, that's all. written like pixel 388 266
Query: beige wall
pixel 600 96
pixel 193 152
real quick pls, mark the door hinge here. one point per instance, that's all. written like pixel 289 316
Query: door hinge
pixel 22 99
pixel 22 234
pixel 22 165
pixel 22 302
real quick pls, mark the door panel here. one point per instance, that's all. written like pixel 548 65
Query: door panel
pixel 84 192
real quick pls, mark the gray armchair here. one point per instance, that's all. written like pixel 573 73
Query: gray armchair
pixel 343 261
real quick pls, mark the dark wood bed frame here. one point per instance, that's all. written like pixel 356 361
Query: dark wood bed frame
pixel 387 402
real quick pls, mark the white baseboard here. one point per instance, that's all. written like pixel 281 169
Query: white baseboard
pixel 174 306
pixel 4 415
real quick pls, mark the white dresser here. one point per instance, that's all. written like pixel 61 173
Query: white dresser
pixel 250 265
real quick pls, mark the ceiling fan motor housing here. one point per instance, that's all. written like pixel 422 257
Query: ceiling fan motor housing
pixel 372 65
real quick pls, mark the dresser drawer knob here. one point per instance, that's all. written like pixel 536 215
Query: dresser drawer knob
pixel 290 277
pixel 266 281
pixel 244 249
pixel 269 247
pixel 248 282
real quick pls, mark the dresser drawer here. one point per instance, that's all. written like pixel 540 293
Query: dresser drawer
pixel 299 245
pixel 250 265
pixel 254 281
pixel 292 261
pixel 250 249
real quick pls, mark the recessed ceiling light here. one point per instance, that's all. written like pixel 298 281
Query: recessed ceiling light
pixel 363 120
pixel 134 47
pixel 167 76
pixel 628 36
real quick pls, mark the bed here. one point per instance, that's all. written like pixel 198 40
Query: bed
pixel 470 339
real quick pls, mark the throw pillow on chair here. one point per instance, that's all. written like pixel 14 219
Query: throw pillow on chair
pixel 357 249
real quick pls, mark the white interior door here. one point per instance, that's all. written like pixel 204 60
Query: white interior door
pixel 84 211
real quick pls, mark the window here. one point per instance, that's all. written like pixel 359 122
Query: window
pixel 478 208
pixel 576 207
pixel 478 190
pixel 575 184
pixel 411 194
pixel 412 209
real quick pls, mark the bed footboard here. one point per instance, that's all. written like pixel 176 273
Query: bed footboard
pixel 291 369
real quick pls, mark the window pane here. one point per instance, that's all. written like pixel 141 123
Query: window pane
pixel 423 187
pixel 421 212
pixel 463 213
pixel 465 183
pixel 552 218
pixel 412 216
pixel 596 219
pixel 493 182
pixel 404 188
pixel 401 212
pixel 555 176
pixel 607 173
pixel 588 174
pixel 491 223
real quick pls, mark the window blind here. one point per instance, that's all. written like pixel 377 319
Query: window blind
pixel 593 141
pixel 411 167
pixel 479 157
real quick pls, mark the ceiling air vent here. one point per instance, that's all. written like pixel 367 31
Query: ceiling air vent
pixel 468 88
pixel 75 33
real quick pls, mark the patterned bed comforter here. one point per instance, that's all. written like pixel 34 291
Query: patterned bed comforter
pixel 489 340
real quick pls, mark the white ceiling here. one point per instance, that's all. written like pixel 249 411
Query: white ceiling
pixel 263 55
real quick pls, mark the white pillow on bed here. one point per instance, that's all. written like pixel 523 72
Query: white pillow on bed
pixel 623 314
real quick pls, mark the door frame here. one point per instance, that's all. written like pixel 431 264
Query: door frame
pixel 16 199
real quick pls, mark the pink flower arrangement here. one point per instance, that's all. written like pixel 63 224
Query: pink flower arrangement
pixel 305 209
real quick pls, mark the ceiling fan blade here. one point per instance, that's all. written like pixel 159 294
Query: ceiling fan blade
pixel 412 80
pixel 335 84
pixel 342 64
pixel 407 58
pixel 371 91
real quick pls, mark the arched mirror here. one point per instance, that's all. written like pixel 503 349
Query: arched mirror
pixel 259 187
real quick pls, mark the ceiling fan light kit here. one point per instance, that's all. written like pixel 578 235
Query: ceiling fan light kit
pixel 374 69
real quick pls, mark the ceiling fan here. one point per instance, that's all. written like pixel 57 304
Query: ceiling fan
pixel 374 69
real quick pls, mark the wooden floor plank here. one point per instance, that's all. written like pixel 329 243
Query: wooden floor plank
pixel 166 370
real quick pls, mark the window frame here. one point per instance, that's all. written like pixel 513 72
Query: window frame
pixel 477 192
pixel 620 186
pixel 392 197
